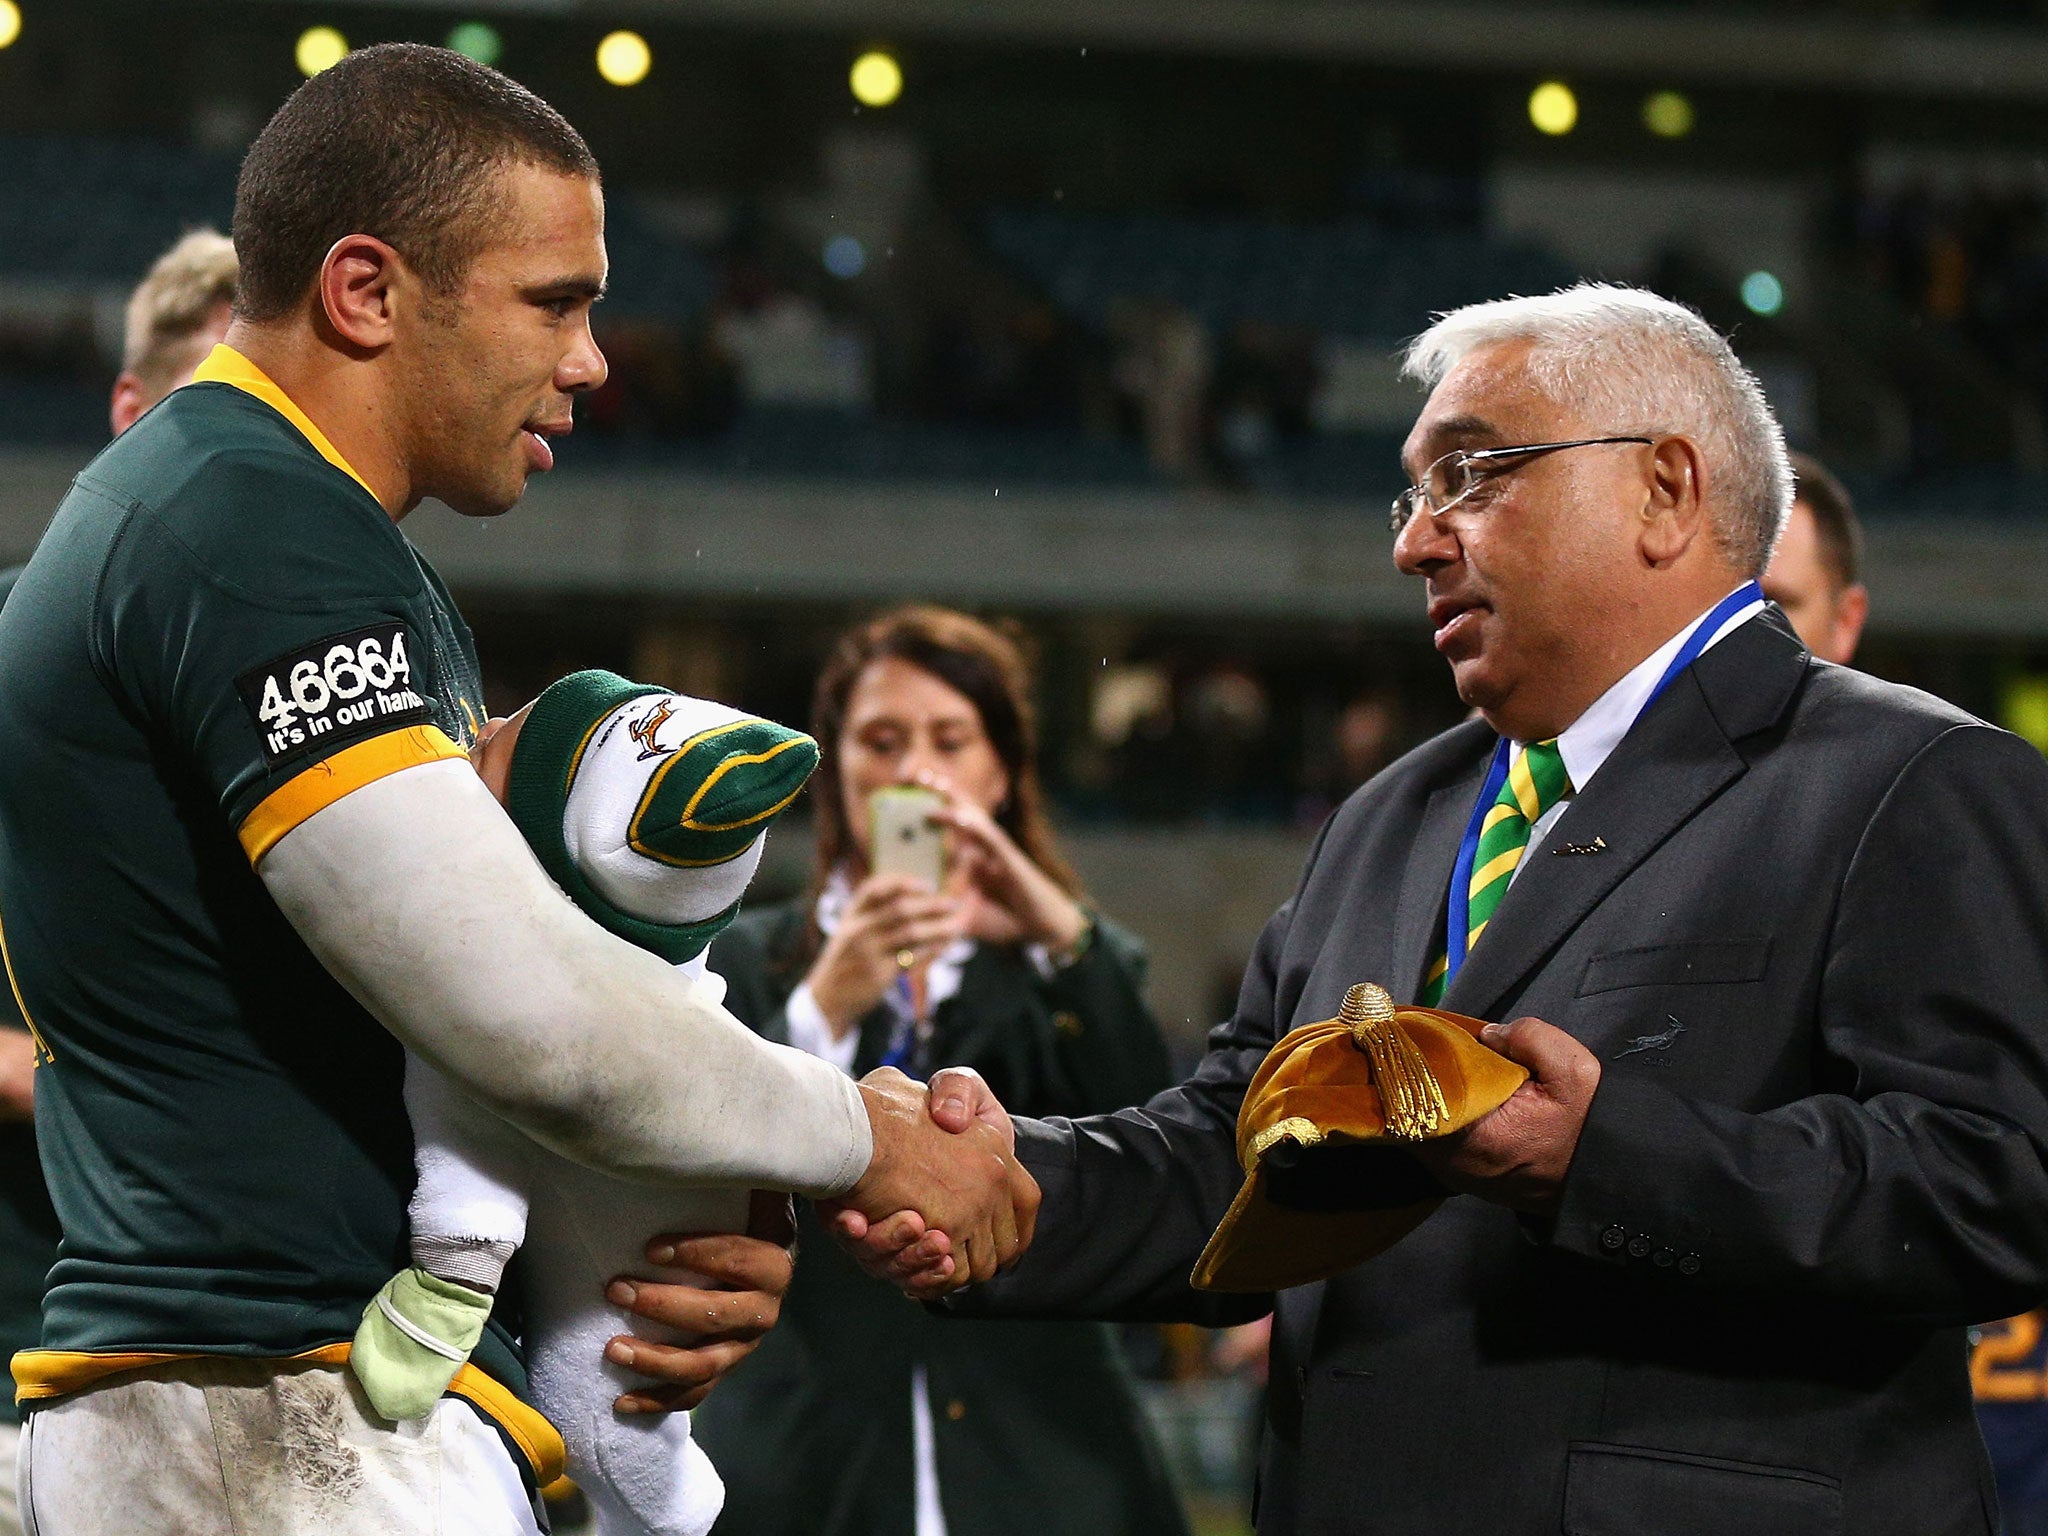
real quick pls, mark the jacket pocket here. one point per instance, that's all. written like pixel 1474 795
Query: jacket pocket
pixel 1665 965
pixel 1625 1490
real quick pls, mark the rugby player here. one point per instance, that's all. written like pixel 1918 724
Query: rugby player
pixel 175 317
pixel 241 833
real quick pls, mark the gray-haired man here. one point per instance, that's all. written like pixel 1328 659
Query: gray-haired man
pixel 1774 939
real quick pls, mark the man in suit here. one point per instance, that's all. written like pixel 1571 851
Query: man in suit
pixel 1773 936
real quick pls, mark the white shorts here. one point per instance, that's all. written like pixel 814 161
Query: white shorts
pixel 10 1514
pixel 218 1447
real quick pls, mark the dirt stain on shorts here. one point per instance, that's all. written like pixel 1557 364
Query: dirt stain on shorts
pixel 312 1439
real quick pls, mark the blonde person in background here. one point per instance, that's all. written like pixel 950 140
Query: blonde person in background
pixel 175 316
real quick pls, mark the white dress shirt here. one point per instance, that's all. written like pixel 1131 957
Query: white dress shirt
pixel 1587 743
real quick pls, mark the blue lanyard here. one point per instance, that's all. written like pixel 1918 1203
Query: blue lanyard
pixel 903 1047
pixel 1455 923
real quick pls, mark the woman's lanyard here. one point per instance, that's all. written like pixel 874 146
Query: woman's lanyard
pixel 1461 875
pixel 910 1031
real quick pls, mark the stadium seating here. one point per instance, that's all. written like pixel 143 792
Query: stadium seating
pixel 1356 278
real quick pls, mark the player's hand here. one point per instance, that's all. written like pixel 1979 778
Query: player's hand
pixel 899 1249
pixel 1518 1155
pixel 954 1206
pixel 745 1278
pixel 889 919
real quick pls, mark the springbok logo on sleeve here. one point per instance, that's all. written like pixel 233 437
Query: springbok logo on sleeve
pixel 647 730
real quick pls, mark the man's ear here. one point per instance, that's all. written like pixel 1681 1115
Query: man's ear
pixel 1852 608
pixel 356 290
pixel 131 399
pixel 1675 503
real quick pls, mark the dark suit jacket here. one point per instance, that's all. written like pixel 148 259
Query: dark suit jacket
pixel 1813 961
pixel 1036 1429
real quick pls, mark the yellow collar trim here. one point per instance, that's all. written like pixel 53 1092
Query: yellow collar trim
pixel 224 365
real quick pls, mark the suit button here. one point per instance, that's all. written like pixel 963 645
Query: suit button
pixel 1613 1238
pixel 1689 1265
pixel 1067 1024
pixel 1664 1258
pixel 956 1410
pixel 1638 1246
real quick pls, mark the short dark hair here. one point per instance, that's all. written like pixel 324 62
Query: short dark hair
pixel 400 141
pixel 1834 518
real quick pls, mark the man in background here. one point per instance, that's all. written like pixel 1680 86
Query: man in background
pixel 175 316
pixel 1815 573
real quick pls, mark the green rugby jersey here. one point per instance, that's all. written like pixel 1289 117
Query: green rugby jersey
pixel 220 634
pixel 28 1224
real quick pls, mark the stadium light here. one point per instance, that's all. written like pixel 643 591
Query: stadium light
pixel 845 257
pixel 1762 294
pixel 876 79
pixel 10 22
pixel 1553 108
pixel 476 40
pixel 1667 114
pixel 624 58
pixel 319 48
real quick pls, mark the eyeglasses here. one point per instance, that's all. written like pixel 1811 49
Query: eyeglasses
pixel 1463 470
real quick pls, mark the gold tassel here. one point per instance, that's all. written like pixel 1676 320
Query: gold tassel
pixel 1411 1099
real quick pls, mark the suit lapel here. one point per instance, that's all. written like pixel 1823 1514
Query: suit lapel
pixel 1426 880
pixel 1676 759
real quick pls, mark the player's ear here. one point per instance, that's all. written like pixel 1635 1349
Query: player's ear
pixel 356 290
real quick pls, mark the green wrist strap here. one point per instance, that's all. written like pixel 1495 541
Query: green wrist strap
pixel 416 1333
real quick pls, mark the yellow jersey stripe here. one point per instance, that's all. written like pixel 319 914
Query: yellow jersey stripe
pixel 538 1439
pixel 224 365
pixel 43 1374
pixel 320 784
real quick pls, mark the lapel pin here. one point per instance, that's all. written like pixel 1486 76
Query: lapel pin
pixel 1598 845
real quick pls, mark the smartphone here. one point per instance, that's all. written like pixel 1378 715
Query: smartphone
pixel 906 838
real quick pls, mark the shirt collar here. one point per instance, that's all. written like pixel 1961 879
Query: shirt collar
pixel 224 365
pixel 1590 740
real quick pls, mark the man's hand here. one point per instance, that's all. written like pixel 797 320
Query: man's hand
pixel 945 1201
pixel 898 1248
pixel 745 1277
pixel 17 1074
pixel 1518 1155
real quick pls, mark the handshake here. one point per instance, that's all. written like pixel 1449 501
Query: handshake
pixel 944 1202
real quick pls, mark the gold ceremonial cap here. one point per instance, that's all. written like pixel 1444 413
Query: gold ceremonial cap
pixel 1326 1184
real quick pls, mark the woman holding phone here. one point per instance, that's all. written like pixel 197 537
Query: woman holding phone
pixel 943 929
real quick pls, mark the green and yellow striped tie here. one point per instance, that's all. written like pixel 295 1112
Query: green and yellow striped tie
pixel 1536 781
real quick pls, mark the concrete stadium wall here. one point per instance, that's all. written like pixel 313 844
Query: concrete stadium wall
pixel 1064 550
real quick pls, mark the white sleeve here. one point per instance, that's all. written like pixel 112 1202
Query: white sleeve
pixel 422 899
pixel 809 1032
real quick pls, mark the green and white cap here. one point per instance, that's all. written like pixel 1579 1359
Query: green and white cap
pixel 649 807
